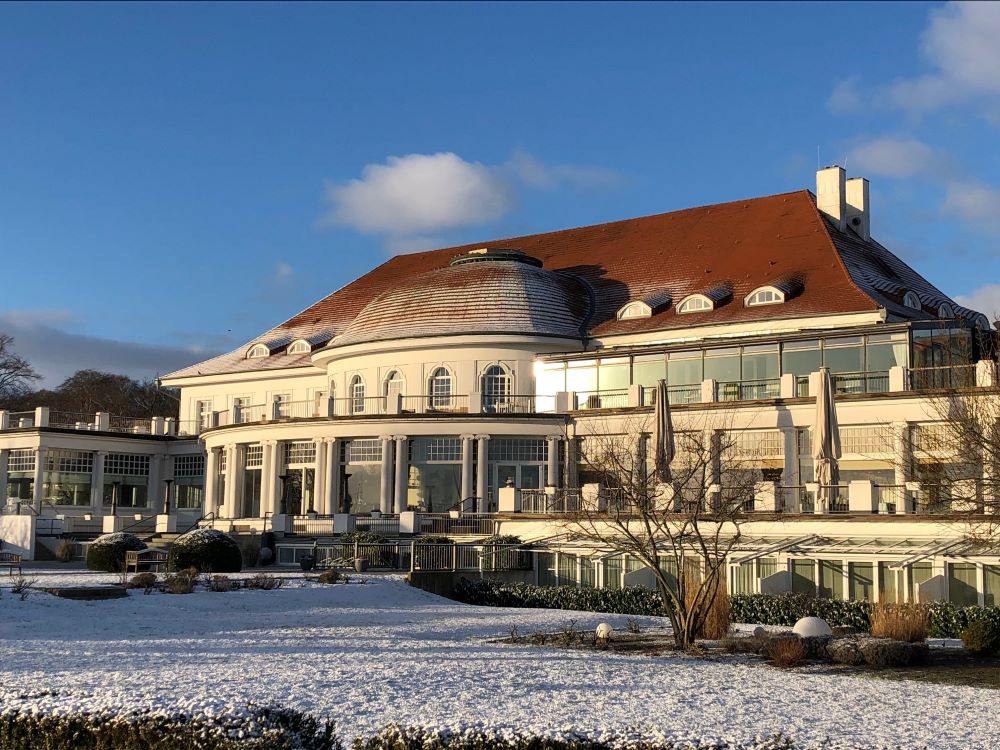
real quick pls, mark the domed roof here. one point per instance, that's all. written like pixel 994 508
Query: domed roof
pixel 480 292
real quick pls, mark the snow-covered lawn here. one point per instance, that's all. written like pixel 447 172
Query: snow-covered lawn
pixel 370 654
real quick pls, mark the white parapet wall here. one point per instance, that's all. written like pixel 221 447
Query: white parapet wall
pixel 18 535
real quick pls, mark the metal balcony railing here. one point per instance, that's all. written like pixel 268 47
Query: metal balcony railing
pixel 748 390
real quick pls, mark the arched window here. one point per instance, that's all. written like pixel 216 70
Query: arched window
pixel 439 388
pixel 496 388
pixel 300 347
pixel 357 395
pixel 634 310
pixel 394 385
pixel 766 295
pixel 911 300
pixel 945 311
pixel 695 303
pixel 258 351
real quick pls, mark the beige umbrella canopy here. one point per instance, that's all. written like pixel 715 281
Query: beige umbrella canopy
pixel 663 433
pixel 825 440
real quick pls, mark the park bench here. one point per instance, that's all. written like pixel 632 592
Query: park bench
pixel 150 559
pixel 11 560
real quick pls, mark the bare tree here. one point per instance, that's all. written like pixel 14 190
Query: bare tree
pixel 681 531
pixel 16 374
pixel 956 457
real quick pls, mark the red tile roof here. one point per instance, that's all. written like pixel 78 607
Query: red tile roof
pixel 738 246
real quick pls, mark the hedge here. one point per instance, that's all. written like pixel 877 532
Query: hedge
pixel 631 600
pixel 207 550
pixel 946 620
pixel 259 728
pixel 400 737
pixel 107 552
pixel 787 609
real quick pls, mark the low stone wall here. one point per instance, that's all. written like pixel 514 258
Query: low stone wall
pixel 443 583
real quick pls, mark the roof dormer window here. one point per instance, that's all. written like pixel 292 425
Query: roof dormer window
pixel 765 295
pixel 945 311
pixel 299 347
pixel 634 310
pixel 258 351
pixel 911 300
pixel 695 303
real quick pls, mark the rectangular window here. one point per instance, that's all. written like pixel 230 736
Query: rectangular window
pixel 884 351
pixel 192 465
pixel 254 456
pixel 844 354
pixel 801 357
pixel 613 573
pixel 126 464
pixel 862 581
pixel 722 365
pixel 887 580
pixel 831 579
pixel 546 562
pixel 761 362
pixel 550 378
pixel 443 449
pixel 648 369
pixel 567 570
pixel 300 452
pixel 581 377
pixel 962 584
pixel 685 368
pixel 803 577
pixel 21 459
pixel 67 477
pixel 189 481
pixel 613 374
pixel 519 450
pixel 991 589
pixel 364 450
pixel 919 573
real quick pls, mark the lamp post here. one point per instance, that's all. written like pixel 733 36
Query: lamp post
pixel 166 499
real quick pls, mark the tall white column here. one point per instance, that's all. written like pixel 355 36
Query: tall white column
pixel 552 465
pixel 331 493
pixel 468 472
pixel 269 499
pixel 318 498
pixel 901 443
pixel 169 491
pixel 97 483
pixel 483 467
pixel 385 491
pixel 4 453
pixel 211 481
pixel 154 490
pixel 228 509
pixel 402 472
pixel 38 488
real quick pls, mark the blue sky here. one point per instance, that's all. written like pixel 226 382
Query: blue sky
pixel 174 179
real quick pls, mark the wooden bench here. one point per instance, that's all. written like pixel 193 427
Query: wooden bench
pixel 151 559
pixel 11 560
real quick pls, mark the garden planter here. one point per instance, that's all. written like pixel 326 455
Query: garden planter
pixel 307 563
pixel 361 564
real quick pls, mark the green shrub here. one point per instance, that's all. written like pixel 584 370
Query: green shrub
pixel 264 728
pixel 948 621
pixel 631 600
pixel 787 609
pixel 329 576
pixel 500 540
pixel 207 550
pixel 107 552
pixel 982 637
pixel 362 537
pixel 142 581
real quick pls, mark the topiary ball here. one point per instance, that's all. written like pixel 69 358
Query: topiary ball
pixel 107 552
pixel 207 550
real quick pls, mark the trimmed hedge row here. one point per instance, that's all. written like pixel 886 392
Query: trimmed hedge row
pixel 946 619
pixel 263 728
pixel 787 609
pixel 631 600
pixel 399 737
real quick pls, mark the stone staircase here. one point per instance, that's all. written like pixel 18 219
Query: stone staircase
pixel 162 540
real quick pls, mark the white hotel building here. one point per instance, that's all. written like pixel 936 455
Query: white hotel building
pixel 456 382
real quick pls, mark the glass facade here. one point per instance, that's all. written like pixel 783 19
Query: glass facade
pixel 20 475
pixel 361 484
pixel 126 480
pixel 67 477
pixel 189 482
pixel 434 483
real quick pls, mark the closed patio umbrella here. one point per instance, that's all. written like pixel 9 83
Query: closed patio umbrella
pixel 825 440
pixel 663 433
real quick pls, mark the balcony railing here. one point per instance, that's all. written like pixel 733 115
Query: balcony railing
pixel 748 390
pixel 135 425
pixel 508 404
pixel 445 404
pixel 931 378
pixel 617 399
pixel 860 382
pixel 563 500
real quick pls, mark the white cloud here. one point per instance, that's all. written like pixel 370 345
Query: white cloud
pixel 420 193
pixel 961 43
pixel 534 173
pixel 40 336
pixel 971 200
pixel 844 98
pixel 283 272
pixel 894 157
pixel 985 299
pixel 411 200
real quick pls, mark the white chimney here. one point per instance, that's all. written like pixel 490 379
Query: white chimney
pixel 859 217
pixel 831 194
